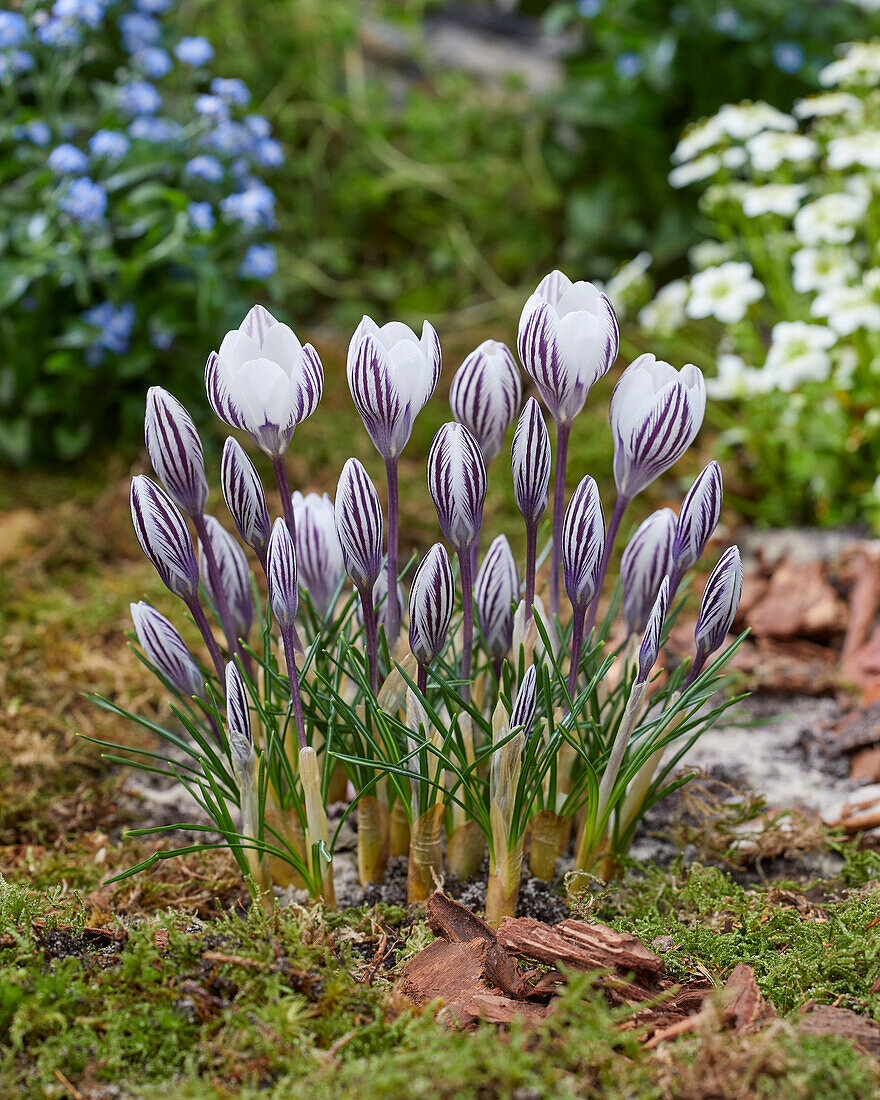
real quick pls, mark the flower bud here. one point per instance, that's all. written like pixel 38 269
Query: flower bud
pixel 166 649
pixel 485 395
pixel 650 647
pixel 238 720
pixel 359 525
pixel 457 484
pixel 720 602
pixel 281 573
pixel 244 496
pixel 697 519
pixel 496 591
pixel 583 544
pixel 646 560
pixel 526 699
pixel 431 600
pixel 175 451
pixel 235 576
pixel 530 463
pixel 318 553
pixel 161 530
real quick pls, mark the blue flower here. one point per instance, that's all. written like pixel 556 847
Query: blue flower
pixel 22 61
pixel 84 200
pixel 195 51
pixel 114 326
pixel 589 8
pixel 201 216
pixel 230 138
pixel 232 90
pixel 36 131
pixel 90 12
pixel 788 56
pixel 139 97
pixel 205 168
pixel 160 337
pixel 212 106
pixel 255 206
pixel 67 160
pixel 160 131
pixel 139 31
pixel 260 127
pixel 154 61
pixel 269 153
pixel 628 64
pixel 110 144
pixel 13 29
pixel 259 262
pixel 57 32
pixel 153 7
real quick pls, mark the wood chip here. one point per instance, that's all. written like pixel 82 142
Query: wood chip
pixel 490 1008
pixel 450 972
pixel 578 945
pixel 799 603
pixel 160 939
pixel 742 1003
pixel 843 1022
pixel 454 922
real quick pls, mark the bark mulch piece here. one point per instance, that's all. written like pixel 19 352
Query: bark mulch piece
pixel 830 1020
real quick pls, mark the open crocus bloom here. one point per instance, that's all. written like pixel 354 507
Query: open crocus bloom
pixel 656 412
pixel 568 339
pixel 264 381
pixel 391 374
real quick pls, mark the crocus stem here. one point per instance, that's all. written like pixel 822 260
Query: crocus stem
pixel 372 638
pixel 392 619
pixel 620 506
pixel 467 621
pixel 286 496
pixel 422 678
pixel 219 593
pixel 197 612
pixel 577 642
pixel 531 557
pixel 293 677
pixel 562 432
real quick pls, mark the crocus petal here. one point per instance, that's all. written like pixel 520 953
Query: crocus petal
pixel 162 532
pixel 697 518
pixel 583 544
pixel 359 525
pixel 166 649
pixel 235 576
pixel 457 484
pixel 496 592
pixel 650 647
pixel 530 462
pixel 281 574
pixel 175 451
pixel 485 395
pixel 646 560
pixel 244 496
pixel 720 602
pixel 431 600
pixel 318 553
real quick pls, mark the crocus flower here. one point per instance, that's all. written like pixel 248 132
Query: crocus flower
pixel 650 647
pixel 646 560
pixel 431 600
pixel 496 591
pixel 175 451
pixel 530 464
pixel 485 395
pixel 284 602
pixel 166 649
pixel 583 545
pixel 718 608
pixel 523 713
pixel 318 553
pixel 697 519
pixel 245 498
pixel 568 339
pixel 233 574
pixel 238 721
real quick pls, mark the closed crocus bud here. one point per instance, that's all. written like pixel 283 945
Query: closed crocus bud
pixel 244 496
pixel 650 647
pixel 720 602
pixel 175 451
pixel 318 553
pixel 281 574
pixel 167 650
pixel 431 600
pixel 530 463
pixel 485 395
pixel 457 484
pixel 234 575
pixel 526 698
pixel 568 339
pixel 583 543
pixel 656 411
pixel 496 591
pixel 359 525
pixel 161 530
pixel 391 374
pixel 238 720
pixel 646 560
pixel 264 381
pixel 697 519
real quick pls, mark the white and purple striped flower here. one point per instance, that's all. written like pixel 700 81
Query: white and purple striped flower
pixel 719 605
pixel 656 412
pixel 232 573
pixel 166 649
pixel 431 600
pixel 359 526
pixel 161 530
pixel 530 463
pixel 245 498
pixel 318 553
pixel 583 544
pixel 646 560
pixel 175 451
pixel 457 484
pixel 281 574
pixel 697 519
pixel 238 720
pixel 264 381
pixel 496 592
pixel 485 395
pixel 568 339
pixel 650 647
pixel 391 374
pixel 523 713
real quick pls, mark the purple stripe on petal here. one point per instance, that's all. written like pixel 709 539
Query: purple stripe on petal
pixel 530 463
pixel 523 713
pixel 281 574
pixel 175 451
pixel 244 496
pixel 235 576
pixel 720 602
pixel 162 532
pixel 431 600
pixel 583 544
pixel 485 395
pixel 359 525
pixel 496 591
pixel 650 647
pixel 166 649
pixel 457 484
pixel 697 518
pixel 238 719
pixel 646 560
